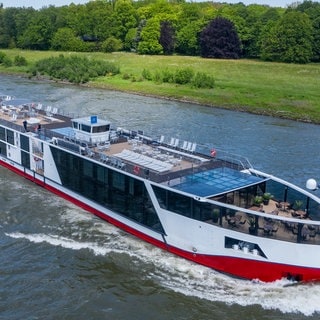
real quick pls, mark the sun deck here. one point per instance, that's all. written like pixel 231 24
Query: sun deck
pixel 31 116
pixel 180 166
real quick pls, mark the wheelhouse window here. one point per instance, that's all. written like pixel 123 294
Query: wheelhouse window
pixel 98 129
pixel 85 128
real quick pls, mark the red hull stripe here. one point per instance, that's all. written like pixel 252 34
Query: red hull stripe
pixel 252 269
pixel 242 268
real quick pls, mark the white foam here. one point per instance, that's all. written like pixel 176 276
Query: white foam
pixel 195 280
pixel 61 241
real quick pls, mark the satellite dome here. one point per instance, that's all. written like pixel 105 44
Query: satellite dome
pixel 311 184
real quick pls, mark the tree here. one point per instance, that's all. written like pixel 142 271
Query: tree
pixel 187 38
pixel 289 40
pixel 111 44
pixel 130 40
pixel 219 39
pixel 13 23
pixel 124 17
pixel 38 34
pixel 167 38
pixel 65 40
pixel 316 40
pixel 312 9
pixel 249 27
pixel 150 35
pixel 34 29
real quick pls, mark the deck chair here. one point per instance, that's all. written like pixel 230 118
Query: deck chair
pixel 48 111
pixel 193 147
pixel 161 140
pixel 184 145
pixel 14 117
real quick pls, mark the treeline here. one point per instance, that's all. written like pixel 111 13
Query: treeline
pixel 206 29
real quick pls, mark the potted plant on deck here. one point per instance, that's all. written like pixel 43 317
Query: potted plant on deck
pixel 252 225
pixel 257 200
pixel 298 205
pixel 266 198
pixel 215 215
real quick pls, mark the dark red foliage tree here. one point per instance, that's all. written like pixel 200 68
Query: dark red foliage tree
pixel 167 37
pixel 219 39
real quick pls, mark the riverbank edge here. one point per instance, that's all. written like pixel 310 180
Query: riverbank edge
pixel 236 108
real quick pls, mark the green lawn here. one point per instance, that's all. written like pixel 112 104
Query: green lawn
pixel 278 89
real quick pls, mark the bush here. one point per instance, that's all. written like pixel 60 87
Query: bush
pixel 20 61
pixel 146 74
pixel 168 76
pixel 157 77
pixel 2 56
pixel 202 80
pixel 126 76
pixel 111 44
pixel 183 76
pixel 74 68
pixel 7 62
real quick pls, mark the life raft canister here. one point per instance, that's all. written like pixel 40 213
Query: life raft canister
pixel 136 169
pixel 213 152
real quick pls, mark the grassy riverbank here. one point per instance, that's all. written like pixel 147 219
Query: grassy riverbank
pixel 281 90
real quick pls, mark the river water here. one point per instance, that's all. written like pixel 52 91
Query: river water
pixel 59 262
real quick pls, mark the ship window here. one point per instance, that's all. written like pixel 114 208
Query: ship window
pixel 101 129
pixel 131 187
pixel 88 168
pixel 75 125
pixel 118 181
pixel 3 149
pixel 203 211
pixel 102 174
pixel 161 195
pixel 2 134
pixel 179 203
pixel 24 142
pixel 10 137
pixel 85 128
pixel 249 247
pixel 25 159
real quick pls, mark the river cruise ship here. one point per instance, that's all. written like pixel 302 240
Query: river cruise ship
pixel 204 205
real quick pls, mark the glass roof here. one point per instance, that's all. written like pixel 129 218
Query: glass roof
pixel 216 181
